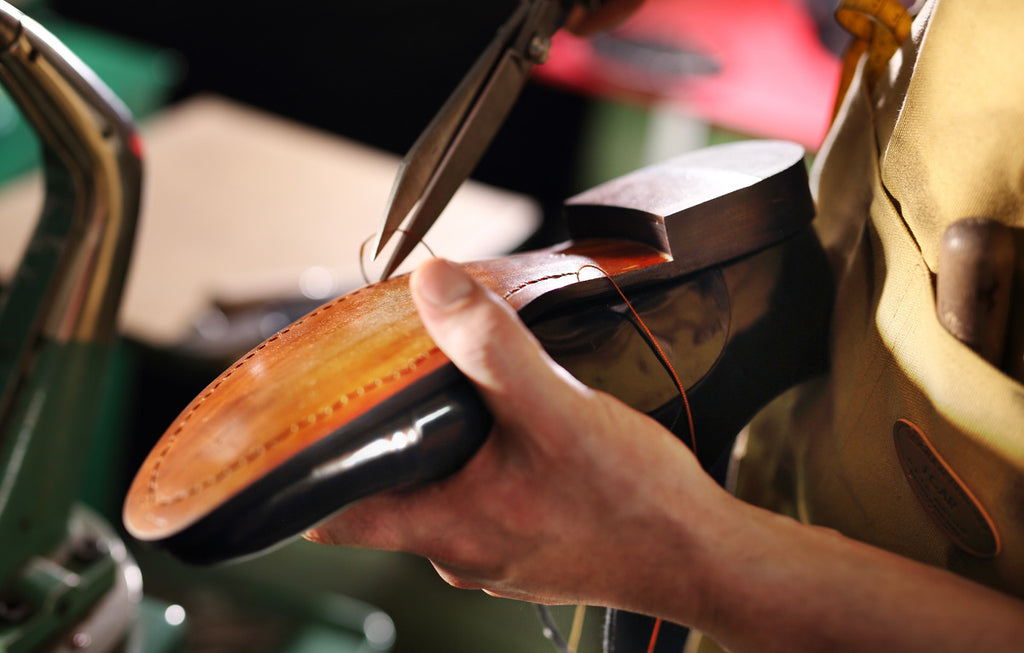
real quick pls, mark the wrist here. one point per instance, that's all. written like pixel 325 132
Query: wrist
pixel 674 553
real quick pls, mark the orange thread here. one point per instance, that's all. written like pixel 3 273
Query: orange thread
pixel 657 347
pixel 262 449
pixel 259 450
pixel 654 635
pixel 675 378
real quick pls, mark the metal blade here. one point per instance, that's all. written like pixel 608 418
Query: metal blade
pixel 467 148
pixel 427 153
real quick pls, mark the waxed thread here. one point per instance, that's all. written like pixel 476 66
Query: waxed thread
pixel 682 393
pixel 653 342
pixel 362 251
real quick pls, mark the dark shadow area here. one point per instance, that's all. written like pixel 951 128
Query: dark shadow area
pixel 374 72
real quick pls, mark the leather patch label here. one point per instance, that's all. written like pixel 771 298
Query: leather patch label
pixel 943 494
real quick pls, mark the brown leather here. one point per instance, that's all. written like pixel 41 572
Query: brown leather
pixel 322 371
pixel 265 418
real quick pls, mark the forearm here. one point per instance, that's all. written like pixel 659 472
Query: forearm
pixel 574 497
pixel 772 583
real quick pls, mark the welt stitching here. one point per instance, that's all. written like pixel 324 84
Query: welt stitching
pixel 259 451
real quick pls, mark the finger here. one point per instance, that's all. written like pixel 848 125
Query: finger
pixel 375 523
pixel 485 339
pixel 431 520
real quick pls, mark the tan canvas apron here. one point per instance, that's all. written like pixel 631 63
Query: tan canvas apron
pixel 913 443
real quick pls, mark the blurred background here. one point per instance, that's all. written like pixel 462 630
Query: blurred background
pixel 273 131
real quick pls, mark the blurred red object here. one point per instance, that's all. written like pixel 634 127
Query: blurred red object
pixel 754 66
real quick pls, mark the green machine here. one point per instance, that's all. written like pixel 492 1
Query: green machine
pixel 67 580
pixel 63 571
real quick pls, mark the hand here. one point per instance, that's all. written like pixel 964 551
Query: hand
pixel 585 23
pixel 576 498
pixel 558 504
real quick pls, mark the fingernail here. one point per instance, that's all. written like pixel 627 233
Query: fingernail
pixel 442 284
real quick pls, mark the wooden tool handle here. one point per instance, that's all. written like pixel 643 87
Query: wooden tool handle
pixel 973 284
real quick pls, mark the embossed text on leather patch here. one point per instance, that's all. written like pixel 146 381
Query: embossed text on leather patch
pixel 943 494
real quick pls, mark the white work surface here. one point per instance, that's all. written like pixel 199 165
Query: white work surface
pixel 239 204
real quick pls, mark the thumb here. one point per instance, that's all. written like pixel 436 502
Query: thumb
pixel 483 336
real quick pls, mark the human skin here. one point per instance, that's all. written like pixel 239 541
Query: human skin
pixel 576 498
